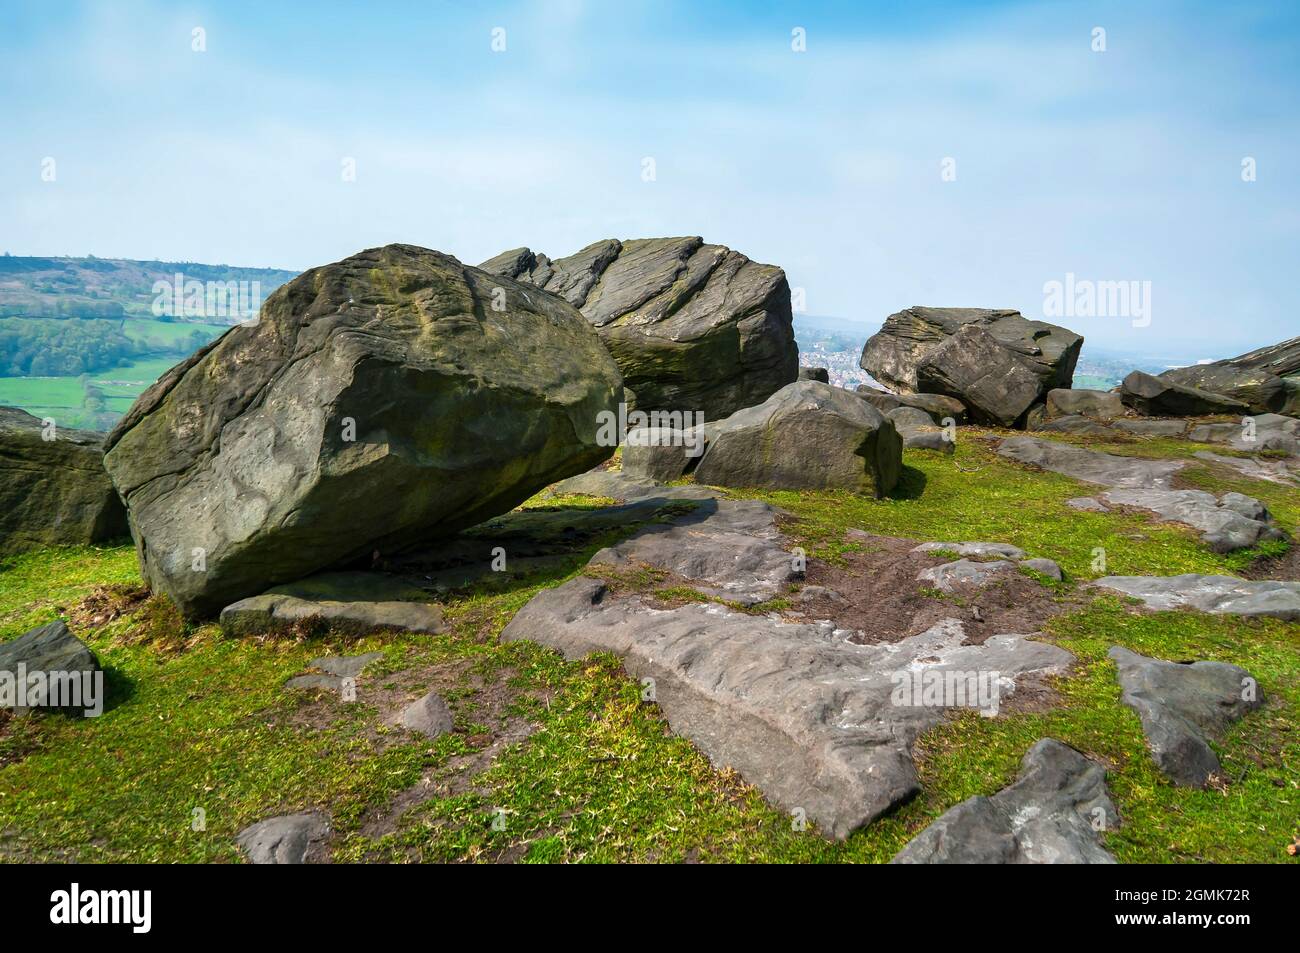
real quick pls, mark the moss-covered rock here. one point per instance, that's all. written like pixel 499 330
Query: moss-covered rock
pixel 53 487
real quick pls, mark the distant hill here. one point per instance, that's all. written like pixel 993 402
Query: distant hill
pixel 80 338
pixel 107 287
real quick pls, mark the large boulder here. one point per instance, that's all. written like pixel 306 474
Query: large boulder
pixel 1267 379
pixel 53 491
pixel 807 435
pixel 997 362
pixel 694 327
pixel 378 402
pixel 1159 397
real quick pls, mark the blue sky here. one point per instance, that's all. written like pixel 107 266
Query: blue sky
pixel 1123 165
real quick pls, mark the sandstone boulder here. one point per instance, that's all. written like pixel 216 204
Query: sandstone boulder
pixel 997 362
pixel 392 397
pixel 694 327
pixel 1097 404
pixel 808 435
pixel 1267 379
pixel 1159 397
pixel 53 492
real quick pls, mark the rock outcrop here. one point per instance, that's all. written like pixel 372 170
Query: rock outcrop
pixel 1160 397
pixel 996 362
pixel 814 721
pixel 694 327
pixel 939 407
pixel 293 445
pixel 1090 466
pixel 1182 705
pixel 53 492
pixel 1267 379
pixel 808 435
pixel 1052 814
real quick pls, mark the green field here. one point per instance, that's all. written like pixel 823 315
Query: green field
pixel 61 397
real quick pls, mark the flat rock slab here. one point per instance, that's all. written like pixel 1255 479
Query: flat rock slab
pixel 292 839
pixel 1090 466
pixel 332 670
pixel 731 547
pixel 614 485
pixel 1221 595
pixel 998 550
pixel 1233 521
pixel 1077 424
pixel 266 611
pixel 1050 815
pixel 950 577
pixel 814 720
pixel 1087 504
pixel 428 716
pixel 1182 706
pixel 1274 471
pixel 49 648
pixel 1151 426
pixel 1253 434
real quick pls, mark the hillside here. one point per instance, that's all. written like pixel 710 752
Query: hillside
pixel 81 338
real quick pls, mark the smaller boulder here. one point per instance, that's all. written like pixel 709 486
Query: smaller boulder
pixel 1077 424
pixel 815 374
pixel 1158 397
pixel 292 839
pixel 428 716
pixel 1146 427
pixel 1182 705
pixel 939 407
pixel 54 651
pixel 807 435
pixel 662 454
pixel 1097 404
pixel 1051 815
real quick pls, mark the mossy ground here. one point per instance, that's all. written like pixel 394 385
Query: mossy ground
pixel 196 720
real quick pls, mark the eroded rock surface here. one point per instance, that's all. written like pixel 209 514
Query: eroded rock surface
pixel 1182 707
pixel 1090 466
pixel 732 548
pixel 694 327
pixel 1217 594
pixel 996 362
pixel 814 720
pixel 292 839
pixel 807 435
pixel 1232 521
pixel 53 492
pixel 1051 814
pixel 290 446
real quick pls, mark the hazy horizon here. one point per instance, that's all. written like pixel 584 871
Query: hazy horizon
pixel 1122 165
